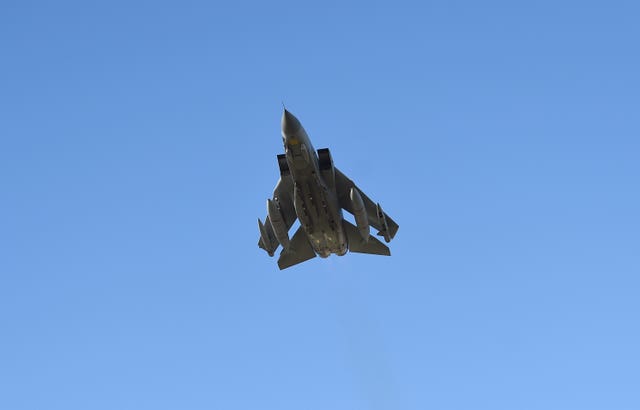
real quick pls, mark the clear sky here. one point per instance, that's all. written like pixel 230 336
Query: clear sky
pixel 138 144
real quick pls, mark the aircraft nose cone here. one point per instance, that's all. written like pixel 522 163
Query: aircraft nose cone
pixel 290 124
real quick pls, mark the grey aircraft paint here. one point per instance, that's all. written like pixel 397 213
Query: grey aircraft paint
pixel 312 190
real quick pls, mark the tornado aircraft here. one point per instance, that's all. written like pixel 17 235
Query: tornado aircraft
pixel 312 190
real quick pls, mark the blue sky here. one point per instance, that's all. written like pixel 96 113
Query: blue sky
pixel 137 149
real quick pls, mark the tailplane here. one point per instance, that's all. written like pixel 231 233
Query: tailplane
pixel 298 251
pixel 357 244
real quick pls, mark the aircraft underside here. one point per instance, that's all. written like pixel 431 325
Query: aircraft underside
pixel 314 192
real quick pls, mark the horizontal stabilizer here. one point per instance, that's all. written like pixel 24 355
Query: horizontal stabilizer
pixel 299 250
pixel 357 244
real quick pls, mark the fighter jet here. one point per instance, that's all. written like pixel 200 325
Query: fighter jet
pixel 312 190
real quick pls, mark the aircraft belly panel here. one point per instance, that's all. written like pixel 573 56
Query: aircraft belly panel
pixel 319 215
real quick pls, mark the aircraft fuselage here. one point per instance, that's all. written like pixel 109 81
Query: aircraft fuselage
pixel 315 201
